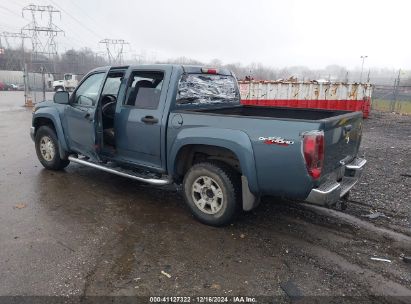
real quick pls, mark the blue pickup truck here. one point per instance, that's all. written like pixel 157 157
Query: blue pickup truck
pixel 163 124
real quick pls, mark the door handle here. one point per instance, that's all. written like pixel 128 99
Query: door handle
pixel 149 120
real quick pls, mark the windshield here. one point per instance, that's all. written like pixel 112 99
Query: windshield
pixel 207 89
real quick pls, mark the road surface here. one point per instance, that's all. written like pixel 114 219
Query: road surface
pixel 84 232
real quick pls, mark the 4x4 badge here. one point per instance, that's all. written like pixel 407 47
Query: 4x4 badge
pixel 276 141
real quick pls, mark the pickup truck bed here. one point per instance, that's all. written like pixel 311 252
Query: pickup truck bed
pixel 283 113
pixel 278 133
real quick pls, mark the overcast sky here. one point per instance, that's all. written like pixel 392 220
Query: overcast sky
pixel 313 33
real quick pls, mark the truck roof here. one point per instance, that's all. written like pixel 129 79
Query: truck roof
pixel 184 68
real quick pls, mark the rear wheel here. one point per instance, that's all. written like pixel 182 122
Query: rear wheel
pixel 212 192
pixel 47 149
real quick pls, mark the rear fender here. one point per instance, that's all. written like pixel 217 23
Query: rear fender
pixel 236 141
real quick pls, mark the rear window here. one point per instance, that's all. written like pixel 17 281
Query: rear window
pixel 200 89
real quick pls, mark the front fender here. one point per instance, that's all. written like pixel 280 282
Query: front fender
pixel 52 114
pixel 234 140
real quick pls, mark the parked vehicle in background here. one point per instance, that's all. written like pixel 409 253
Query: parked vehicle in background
pixel 163 124
pixel 310 95
pixel 13 87
pixel 68 83
pixel 8 86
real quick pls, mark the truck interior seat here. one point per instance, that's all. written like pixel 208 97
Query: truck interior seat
pixel 108 131
pixel 133 95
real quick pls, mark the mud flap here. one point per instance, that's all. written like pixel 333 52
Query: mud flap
pixel 250 201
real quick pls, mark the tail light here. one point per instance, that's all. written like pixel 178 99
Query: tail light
pixel 209 71
pixel 313 150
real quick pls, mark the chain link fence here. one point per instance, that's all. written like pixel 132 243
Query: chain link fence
pixel 31 87
pixel 37 87
pixel 392 98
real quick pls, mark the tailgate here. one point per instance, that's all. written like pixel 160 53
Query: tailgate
pixel 342 135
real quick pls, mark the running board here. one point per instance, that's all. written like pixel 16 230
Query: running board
pixel 123 173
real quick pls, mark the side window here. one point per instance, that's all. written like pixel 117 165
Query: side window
pixel 112 84
pixel 144 90
pixel 87 92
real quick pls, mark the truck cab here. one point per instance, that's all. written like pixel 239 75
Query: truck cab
pixel 117 113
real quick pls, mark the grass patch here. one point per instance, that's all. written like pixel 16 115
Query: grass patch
pixel 399 106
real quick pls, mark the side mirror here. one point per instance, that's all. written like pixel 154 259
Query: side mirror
pixel 61 97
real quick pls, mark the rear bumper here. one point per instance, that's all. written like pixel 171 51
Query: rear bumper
pixel 330 191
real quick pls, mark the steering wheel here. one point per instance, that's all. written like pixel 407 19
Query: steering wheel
pixel 109 108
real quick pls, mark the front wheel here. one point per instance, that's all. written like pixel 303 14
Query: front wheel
pixel 47 149
pixel 212 190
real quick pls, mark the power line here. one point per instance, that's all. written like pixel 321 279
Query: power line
pixel 51 30
pixel 78 21
pixel 13 58
pixel 14 35
pixel 88 15
pixel 115 50
pixel 46 45
pixel 10 11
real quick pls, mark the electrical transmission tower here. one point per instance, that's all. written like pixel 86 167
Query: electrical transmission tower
pixel 14 59
pixel 43 36
pixel 115 50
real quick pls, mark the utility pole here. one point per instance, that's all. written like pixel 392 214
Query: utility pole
pixel 115 50
pixel 395 93
pixel 26 86
pixel 138 58
pixel 43 35
pixel 43 39
pixel 43 80
pixel 362 66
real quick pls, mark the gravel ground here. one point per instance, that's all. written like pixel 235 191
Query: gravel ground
pixel 385 186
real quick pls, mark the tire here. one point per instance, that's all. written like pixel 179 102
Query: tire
pixel 47 149
pixel 212 191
